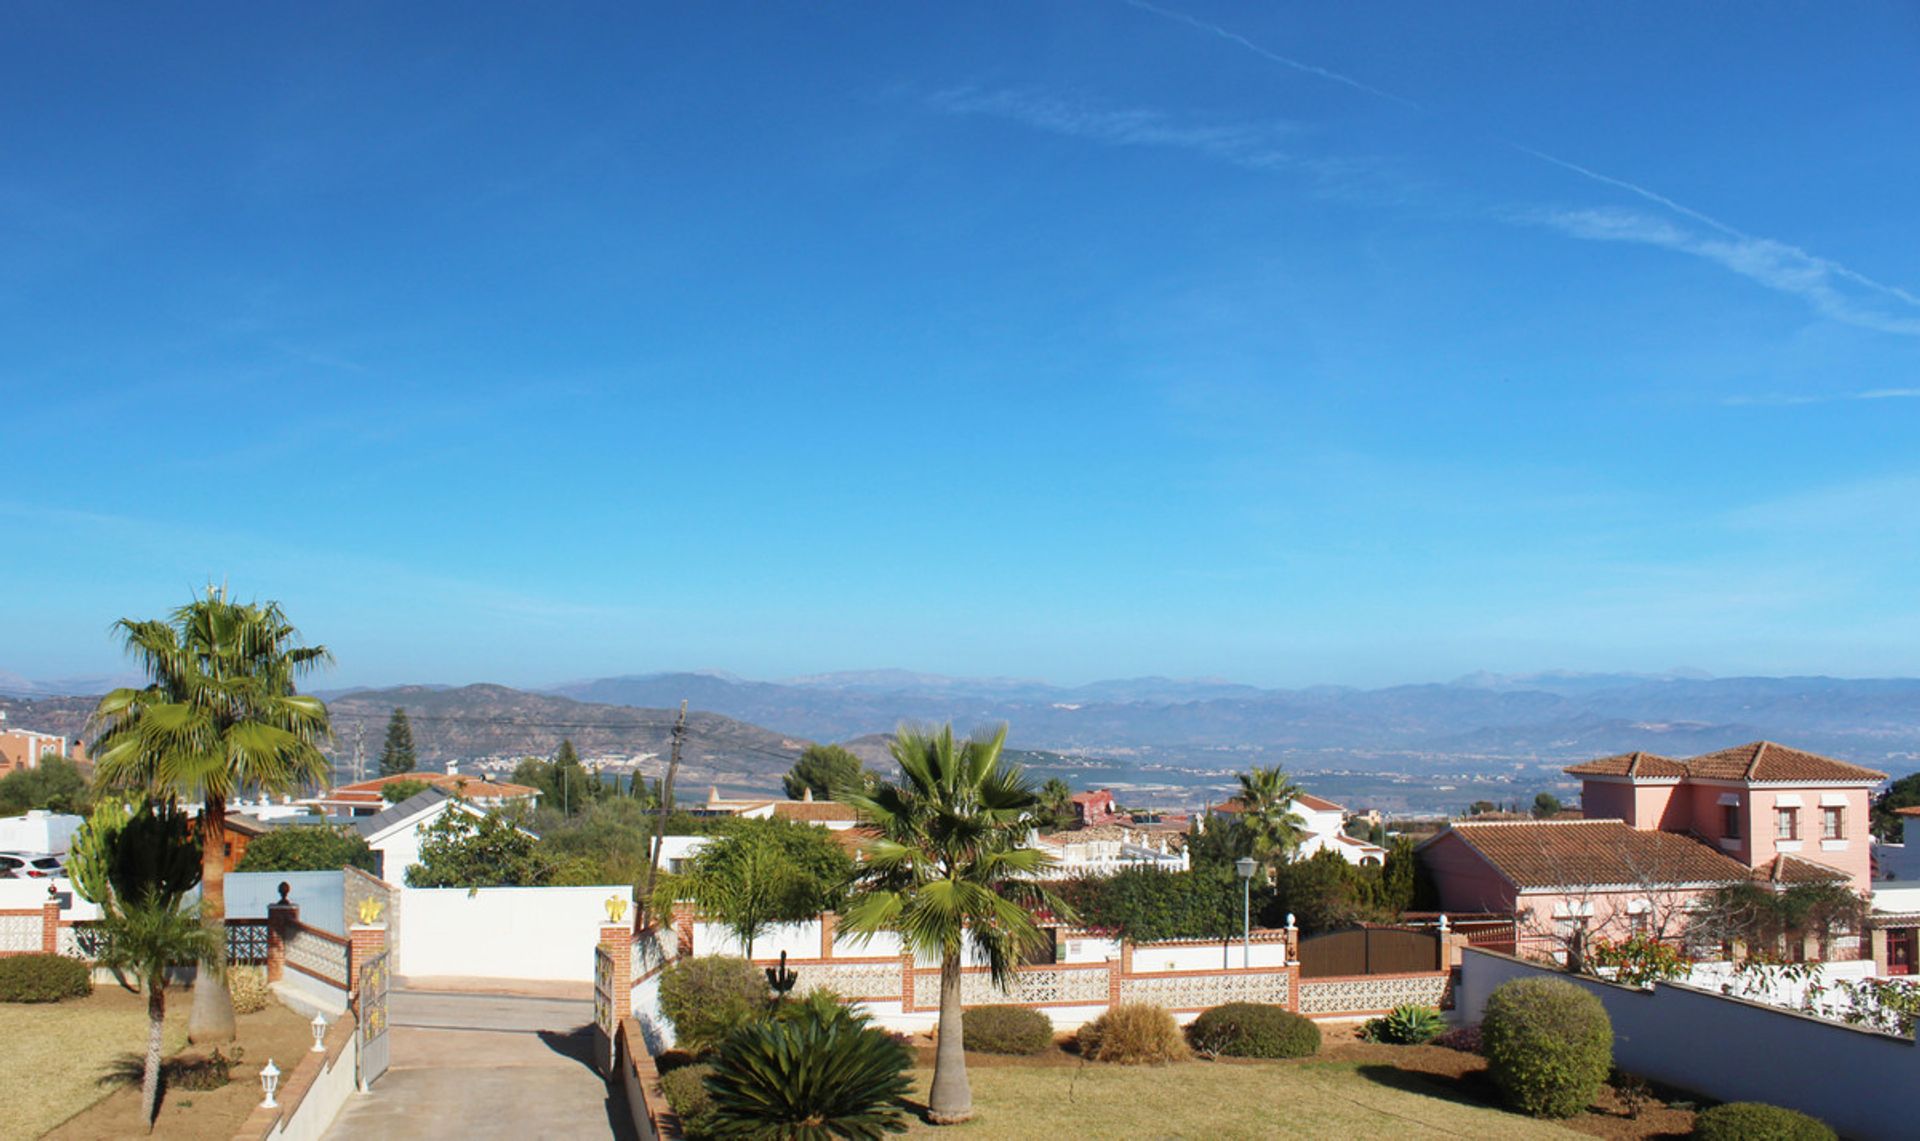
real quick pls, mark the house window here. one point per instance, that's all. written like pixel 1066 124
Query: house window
pixel 1786 823
pixel 1730 821
pixel 1832 824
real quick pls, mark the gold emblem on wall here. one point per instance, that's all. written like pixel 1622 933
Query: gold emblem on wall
pixel 616 908
pixel 370 909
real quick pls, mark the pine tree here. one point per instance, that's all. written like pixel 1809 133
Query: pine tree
pixel 397 757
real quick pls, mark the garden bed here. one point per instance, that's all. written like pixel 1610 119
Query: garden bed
pixel 276 1032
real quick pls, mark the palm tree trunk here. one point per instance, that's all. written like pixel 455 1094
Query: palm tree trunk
pixel 951 1100
pixel 212 1018
pixel 156 1025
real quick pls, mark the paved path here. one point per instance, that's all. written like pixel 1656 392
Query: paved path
pixel 487 1066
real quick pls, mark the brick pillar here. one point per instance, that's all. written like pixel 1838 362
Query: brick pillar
pixel 1126 956
pixel 617 940
pixel 906 981
pixel 683 928
pixel 50 925
pixel 828 923
pixel 1115 969
pixel 281 918
pixel 364 942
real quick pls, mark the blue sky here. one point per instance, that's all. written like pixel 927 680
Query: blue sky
pixel 1296 344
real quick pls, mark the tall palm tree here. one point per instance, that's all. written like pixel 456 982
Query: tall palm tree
pixel 947 872
pixel 219 717
pixel 1274 831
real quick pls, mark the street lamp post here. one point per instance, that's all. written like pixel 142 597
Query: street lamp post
pixel 1245 866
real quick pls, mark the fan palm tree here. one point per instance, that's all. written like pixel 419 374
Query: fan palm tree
pixel 218 718
pixel 1273 829
pixel 947 872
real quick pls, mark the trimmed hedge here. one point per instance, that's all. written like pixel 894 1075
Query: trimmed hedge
pixel 1006 1030
pixel 1757 1121
pixel 1549 1045
pixel 709 997
pixel 1252 1030
pixel 43 978
pixel 1133 1034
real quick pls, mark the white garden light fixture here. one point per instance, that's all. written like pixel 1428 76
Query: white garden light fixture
pixel 269 1081
pixel 319 1033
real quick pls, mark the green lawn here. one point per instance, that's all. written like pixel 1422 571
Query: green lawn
pixel 1341 1099
pixel 55 1053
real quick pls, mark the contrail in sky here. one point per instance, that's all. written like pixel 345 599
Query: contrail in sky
pixel 1801 274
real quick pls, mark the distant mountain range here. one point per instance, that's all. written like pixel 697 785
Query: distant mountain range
pixel 1160 735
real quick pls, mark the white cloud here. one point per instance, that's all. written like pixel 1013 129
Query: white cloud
pixel 1242 144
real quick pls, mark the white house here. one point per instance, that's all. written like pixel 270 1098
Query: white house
pixel 38 831
pixel 395 834
pixel 1325 824
pixel 1106 848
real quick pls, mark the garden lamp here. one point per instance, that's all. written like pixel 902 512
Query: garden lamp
pixel 1245 866
pixel 269 1081
pixel 319 1033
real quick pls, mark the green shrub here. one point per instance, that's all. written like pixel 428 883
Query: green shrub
pixel 686 1090
pixel 1251 1030
pixel 201 1074
pixel 809 1077
pixel 43 978
pixel 710 997
pixel 1006 1030
pixel 1549 1045
pixel 1754 1121
pixel 1408 1025
pixel 1133 1034
pixel 248 986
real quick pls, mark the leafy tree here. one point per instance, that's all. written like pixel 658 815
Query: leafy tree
pixel 830 771
pixel 1274 831
pixel 395 791
pixel 462 850
pixel 1326 893
pixel 758 873
pixel 397 755
pixel 219 717
pixel 149 859
pixel 55 785
pixel 1885 822
pixel 564 783
pixel 1400 879
pixel 1482 807
pixel 1547 805
pixel 308 848
pixel 1766 920
pixel 948 871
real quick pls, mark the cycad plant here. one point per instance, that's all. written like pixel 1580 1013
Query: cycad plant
pixel 820 1073
pixel 948 873
pixel 218 718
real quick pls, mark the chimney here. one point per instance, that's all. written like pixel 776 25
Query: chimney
pixel 806 794
pixel 453 768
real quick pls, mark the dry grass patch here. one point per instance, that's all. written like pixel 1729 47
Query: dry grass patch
pixel 56 1052
pixel 1238 1099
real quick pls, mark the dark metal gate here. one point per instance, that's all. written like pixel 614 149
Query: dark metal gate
pixel 1369 951
pixel 371 1008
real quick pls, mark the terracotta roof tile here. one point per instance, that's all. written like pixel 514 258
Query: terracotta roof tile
pixel 1568 853
pixel 1630 765
pixel 1317 804
pixel 1792 870
pixel 1766 761
pixel 815 810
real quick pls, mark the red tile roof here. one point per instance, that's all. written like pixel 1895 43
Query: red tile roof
pixel 1590 853
pixel 1792 870
pixel 814 810
pixel 1763 761
pixel 1318 804
pixel 1631 765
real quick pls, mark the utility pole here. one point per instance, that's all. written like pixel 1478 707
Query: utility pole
pixel 360 750
pixel 666 806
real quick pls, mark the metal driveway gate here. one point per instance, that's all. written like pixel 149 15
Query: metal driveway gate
pixel 371 1005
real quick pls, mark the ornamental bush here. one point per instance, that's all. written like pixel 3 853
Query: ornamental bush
pixel 1133 1034
pixel 1755 1121
pixel 248 986
pixel 1006 1030
pixel 1549 1045
pixel 708 998
pixel 821 1075
pixel 1251 1030
pixel 686 1090
pixel 1408 1025
pixel 43 978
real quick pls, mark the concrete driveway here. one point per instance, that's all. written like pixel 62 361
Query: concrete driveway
pixel 467 1065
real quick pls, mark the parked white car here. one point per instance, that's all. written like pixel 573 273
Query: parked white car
pixel 31 865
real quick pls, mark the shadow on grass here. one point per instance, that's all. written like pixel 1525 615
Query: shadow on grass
pixel 1471 1089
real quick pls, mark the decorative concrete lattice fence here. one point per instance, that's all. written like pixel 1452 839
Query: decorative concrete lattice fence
pixel 319 954
pixel 1029 986
pixel 1200 990
pixel 21 932
pixel 1372 994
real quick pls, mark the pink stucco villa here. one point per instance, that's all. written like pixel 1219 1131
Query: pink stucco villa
pixel 1659 832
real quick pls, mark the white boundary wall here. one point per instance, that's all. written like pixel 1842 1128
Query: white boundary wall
pixel 1731 1049
pixel 502 932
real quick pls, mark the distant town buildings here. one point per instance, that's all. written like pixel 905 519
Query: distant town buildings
pixel 24 748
